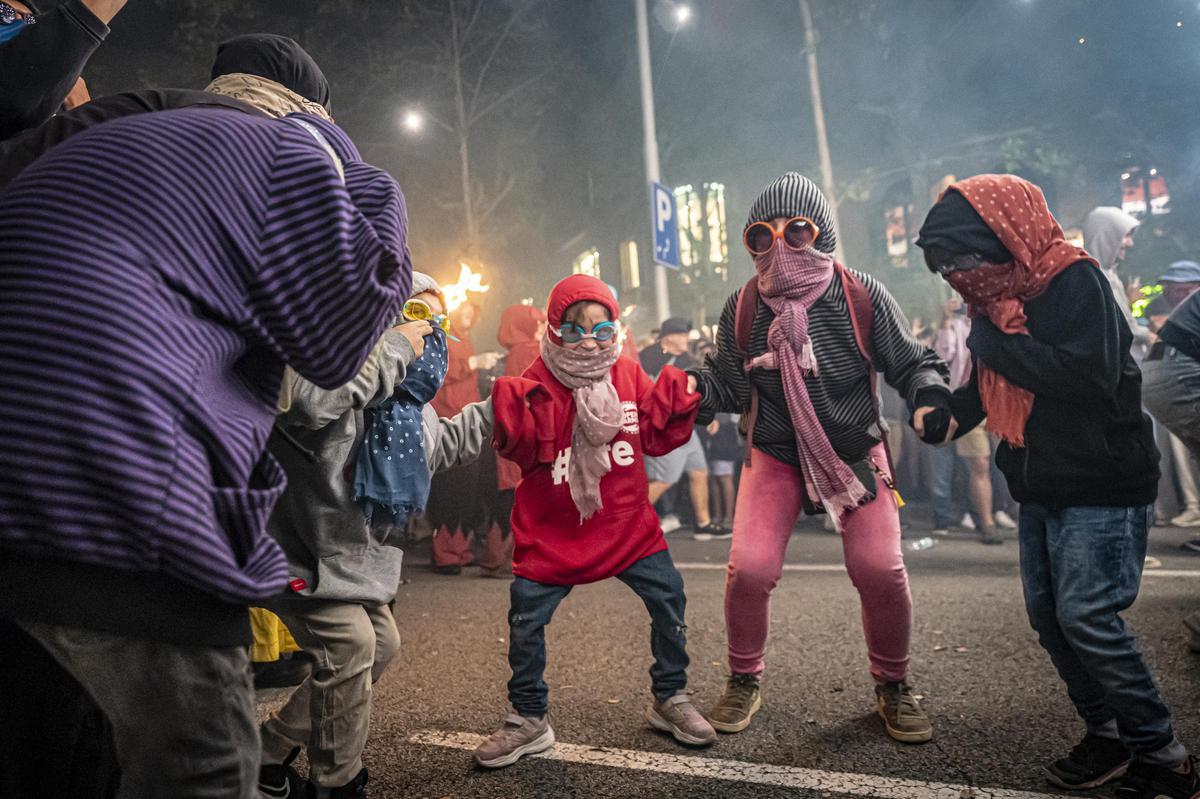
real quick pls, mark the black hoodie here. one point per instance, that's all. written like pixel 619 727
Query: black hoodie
pixel 1087 441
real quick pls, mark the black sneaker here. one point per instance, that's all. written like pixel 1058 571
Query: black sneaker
pixel 281 781
pixel 1193 545
pixel 283 673
pixel 990 536
pixel 449 570
pixel 1093 762
pixel 712 532
pixel 355 789
pixel 1145 781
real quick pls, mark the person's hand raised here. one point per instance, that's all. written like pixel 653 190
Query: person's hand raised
pixel 415 333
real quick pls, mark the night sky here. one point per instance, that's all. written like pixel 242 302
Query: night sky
pixel 913 90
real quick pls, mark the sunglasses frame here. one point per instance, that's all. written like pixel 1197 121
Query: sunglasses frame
pixel 776 235
pixel 606 325
pixel 437 320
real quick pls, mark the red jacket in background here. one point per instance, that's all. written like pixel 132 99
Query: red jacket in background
pixel 519 335
pixel 461 386
pixel 534 418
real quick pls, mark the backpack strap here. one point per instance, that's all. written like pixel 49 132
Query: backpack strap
pixel 862 320
pixel 743 321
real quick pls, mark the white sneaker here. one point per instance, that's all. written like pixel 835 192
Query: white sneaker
pixel 1004 520
pixel 967 522
pixel 670 523
pixel 1189 518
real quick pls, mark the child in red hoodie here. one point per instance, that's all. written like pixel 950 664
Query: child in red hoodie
pixel 577 422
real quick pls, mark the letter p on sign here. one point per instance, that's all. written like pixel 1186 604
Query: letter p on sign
pixel 664 226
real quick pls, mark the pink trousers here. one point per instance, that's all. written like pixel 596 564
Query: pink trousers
pixel 768 503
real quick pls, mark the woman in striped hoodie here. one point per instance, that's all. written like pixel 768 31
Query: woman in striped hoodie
pixel 798 350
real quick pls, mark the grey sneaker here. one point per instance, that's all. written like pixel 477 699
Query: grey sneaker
pixel 902 714
pixel 517 737
pixel 737 706
pixel 680 717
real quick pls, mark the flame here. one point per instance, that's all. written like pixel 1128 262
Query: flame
pixel 468 281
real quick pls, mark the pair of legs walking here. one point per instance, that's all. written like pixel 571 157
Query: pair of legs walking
pixel 769 502
pixel 1081 568
pixel 330 712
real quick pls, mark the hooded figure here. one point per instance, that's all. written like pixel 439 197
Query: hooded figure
pixel 359 452
pixel 806 390
pixel 177 288
pixel 577 422
pixel 1056 382
pixel 1105 233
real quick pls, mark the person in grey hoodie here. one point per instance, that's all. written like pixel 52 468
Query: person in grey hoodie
pixel 344 570
pixel 1108 235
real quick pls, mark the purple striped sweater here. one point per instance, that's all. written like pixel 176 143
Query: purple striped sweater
pixel 156 273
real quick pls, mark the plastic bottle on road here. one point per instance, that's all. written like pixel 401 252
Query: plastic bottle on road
pixel 920 544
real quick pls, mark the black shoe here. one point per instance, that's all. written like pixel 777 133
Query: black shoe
pixel 989 536
pixel 1093 762
pixel 1193 545
pixel 1145 781
pixel 282 673
pixel 281 781
pixel 451 569
pixel 355 789
pixel 712 532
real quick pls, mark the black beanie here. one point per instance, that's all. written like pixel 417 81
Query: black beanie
pixel 276 58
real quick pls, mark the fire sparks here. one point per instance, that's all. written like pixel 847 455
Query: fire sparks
pixel 468 281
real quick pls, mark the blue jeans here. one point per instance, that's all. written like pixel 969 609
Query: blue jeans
pixel 942 463
pixel 660 586
pixel 1081 567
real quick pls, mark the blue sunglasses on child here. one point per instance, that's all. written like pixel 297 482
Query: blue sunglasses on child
pixel 573 333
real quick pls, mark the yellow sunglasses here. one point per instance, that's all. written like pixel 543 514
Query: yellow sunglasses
pixel 420 311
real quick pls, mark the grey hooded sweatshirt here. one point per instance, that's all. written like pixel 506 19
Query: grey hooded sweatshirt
pixel 1103 231
pixel 317 522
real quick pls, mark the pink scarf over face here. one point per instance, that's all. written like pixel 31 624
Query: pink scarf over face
pixel 588 373
pixel 789 283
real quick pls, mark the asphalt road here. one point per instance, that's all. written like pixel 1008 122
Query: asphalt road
pixel 998 709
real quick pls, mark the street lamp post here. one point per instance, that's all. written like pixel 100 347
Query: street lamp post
pixel 662 298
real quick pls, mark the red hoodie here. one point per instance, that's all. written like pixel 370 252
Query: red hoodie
pixel 461 386
pixel 519 335
pixel 534 418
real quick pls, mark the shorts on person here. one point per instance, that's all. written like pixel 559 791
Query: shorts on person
pixel 669 468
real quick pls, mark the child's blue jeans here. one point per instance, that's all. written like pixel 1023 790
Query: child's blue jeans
pixel 660 586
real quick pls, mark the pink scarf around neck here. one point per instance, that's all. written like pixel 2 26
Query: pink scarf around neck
pixel 588 374
pixel 789 283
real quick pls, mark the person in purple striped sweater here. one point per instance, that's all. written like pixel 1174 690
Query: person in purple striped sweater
pixel 156 274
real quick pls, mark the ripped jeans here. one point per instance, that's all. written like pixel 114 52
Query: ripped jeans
pixel 660 586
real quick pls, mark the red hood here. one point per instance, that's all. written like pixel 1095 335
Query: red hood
pixel 578 288
pixel 519 325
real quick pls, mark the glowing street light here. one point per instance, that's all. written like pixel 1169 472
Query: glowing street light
pixel 413 121
pixel 683 14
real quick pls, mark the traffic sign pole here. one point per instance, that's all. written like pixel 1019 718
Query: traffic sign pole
pixel 662 298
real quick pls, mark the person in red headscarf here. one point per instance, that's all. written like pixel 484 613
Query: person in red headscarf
pixel 577 422
pixel 521 330
pixel 1055 380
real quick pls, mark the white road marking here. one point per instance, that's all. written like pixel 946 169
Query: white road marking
pixel 824 782
pixel 1187 574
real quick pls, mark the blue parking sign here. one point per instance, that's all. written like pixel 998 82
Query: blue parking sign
pixel 664 225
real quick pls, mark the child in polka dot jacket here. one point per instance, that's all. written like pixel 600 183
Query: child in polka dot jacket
pixel 344 570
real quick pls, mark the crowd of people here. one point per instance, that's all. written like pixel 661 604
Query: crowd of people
pixel 226 387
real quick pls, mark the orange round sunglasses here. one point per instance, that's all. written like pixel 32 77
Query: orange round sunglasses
pixel 797 233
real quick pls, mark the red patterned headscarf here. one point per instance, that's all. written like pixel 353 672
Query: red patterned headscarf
pixel 1016 211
